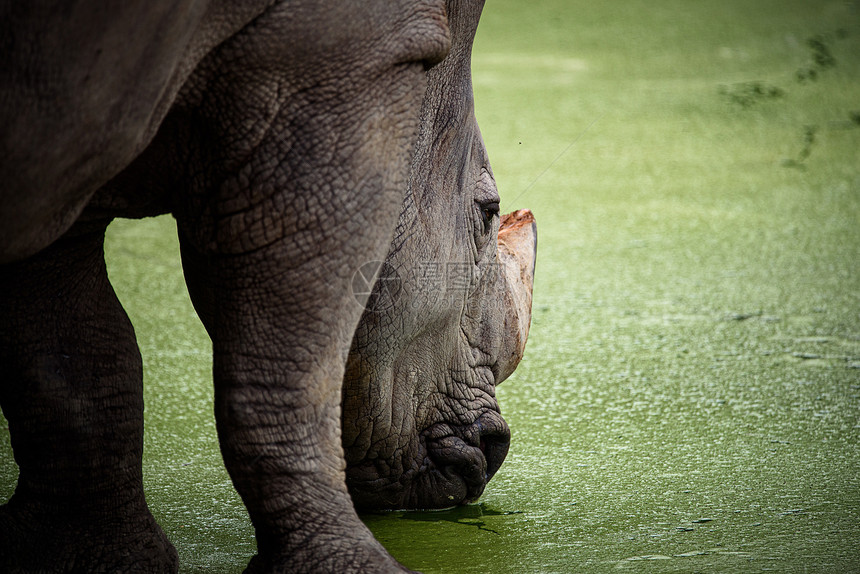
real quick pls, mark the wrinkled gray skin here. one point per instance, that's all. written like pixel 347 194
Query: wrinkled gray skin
pixel 448 320
pixel 279 135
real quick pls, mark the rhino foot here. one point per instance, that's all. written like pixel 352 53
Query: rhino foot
pixel 35 540
pixel 371 560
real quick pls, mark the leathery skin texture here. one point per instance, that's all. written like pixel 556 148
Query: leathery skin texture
pixel 292 141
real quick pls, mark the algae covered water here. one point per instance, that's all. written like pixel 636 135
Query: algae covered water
pixel 690 395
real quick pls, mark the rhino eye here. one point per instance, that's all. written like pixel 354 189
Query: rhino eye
pixel 489 210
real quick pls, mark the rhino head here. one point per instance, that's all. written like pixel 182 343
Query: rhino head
pixel 448 317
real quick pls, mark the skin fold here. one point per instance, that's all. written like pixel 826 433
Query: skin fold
pixel 421 424
pixel 282 137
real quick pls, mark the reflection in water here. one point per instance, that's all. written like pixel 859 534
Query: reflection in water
pixel 468 515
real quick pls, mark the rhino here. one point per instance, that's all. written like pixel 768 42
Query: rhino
pixel 341 242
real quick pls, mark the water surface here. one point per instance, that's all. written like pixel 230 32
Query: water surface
pixel 690 394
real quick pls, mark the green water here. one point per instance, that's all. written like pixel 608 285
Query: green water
pixel 690 394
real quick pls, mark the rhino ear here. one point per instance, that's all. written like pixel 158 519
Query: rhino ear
pixel 517 254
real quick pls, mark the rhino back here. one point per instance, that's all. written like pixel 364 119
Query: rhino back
pixel 83 90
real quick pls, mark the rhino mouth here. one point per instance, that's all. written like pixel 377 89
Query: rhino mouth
pixel 470 457
pixel 452 466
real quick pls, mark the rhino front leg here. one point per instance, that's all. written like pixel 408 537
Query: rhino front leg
pixel 71 390
pixel 279 349
pixel 281 320
pixel 301 184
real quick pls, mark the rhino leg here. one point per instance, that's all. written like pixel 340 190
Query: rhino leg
pixel 71 390
pixel 304 187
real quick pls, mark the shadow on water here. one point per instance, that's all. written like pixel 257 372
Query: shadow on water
pixel 469 515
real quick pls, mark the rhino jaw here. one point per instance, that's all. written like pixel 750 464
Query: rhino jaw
pixel 517 248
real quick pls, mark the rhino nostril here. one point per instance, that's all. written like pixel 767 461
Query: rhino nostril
pixel 495 449
pixel 494 438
